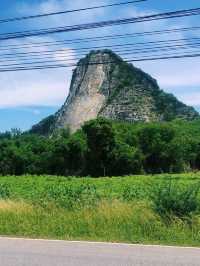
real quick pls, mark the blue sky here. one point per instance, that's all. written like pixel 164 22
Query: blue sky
pixel 27 97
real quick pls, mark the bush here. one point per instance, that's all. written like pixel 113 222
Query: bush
pixel 172 199
pixel 4 191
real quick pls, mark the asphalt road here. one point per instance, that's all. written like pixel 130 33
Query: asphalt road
pixel 21 252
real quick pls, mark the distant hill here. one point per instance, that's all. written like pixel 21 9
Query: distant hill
pixel 104 85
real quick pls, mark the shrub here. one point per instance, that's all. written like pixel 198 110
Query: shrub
pixel 4 191
pixel 172 199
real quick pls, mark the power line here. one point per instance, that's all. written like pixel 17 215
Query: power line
pixel 121 50
pixel 68 11
pixel 129 49
pixel 40 67
pixel 87 26
pixel 63 50
pixel 121 53
pixel 97 38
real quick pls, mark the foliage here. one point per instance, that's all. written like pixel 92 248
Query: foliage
pixel 67 196
pixel 169 198
pixel 4 191
pixel 161 152
pixel 126 159
pixel 107 209
pixel 57 189
pixel 104 148
pixel 101 141
pixel 44 127
pixel 131 193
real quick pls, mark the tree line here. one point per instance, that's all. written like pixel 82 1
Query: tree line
pixel 104 148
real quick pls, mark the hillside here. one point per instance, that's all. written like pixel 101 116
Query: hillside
pixel 104 85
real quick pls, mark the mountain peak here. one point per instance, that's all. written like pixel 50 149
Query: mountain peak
pixel 105 85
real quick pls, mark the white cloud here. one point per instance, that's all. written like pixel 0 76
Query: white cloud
pixel 28 88
pixel 50 87
pixel 43 87
pixel 37 87
pixel 174 73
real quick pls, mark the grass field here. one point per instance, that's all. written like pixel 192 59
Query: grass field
pixel 117 209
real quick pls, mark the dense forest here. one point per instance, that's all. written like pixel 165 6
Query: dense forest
pixel 104 148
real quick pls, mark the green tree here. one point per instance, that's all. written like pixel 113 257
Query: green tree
pixel 126 160
pixel 77 148
pixel 58 157
pixel 160 150
pixel 100 137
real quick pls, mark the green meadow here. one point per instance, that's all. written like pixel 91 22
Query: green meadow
pixel 159 209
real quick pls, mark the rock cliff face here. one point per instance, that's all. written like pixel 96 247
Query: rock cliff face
pixel 104 85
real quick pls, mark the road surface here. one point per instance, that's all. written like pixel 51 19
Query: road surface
pixel 22 252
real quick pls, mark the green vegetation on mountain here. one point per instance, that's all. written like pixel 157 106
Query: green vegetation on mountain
pixel 45 127
pixel 115 90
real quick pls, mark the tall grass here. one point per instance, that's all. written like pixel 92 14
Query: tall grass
pixel 107 209
pixel 113 221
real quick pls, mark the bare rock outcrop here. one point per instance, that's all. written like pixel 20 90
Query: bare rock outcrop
pixel 104 85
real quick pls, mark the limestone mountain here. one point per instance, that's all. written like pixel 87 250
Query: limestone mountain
pixel 104 85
